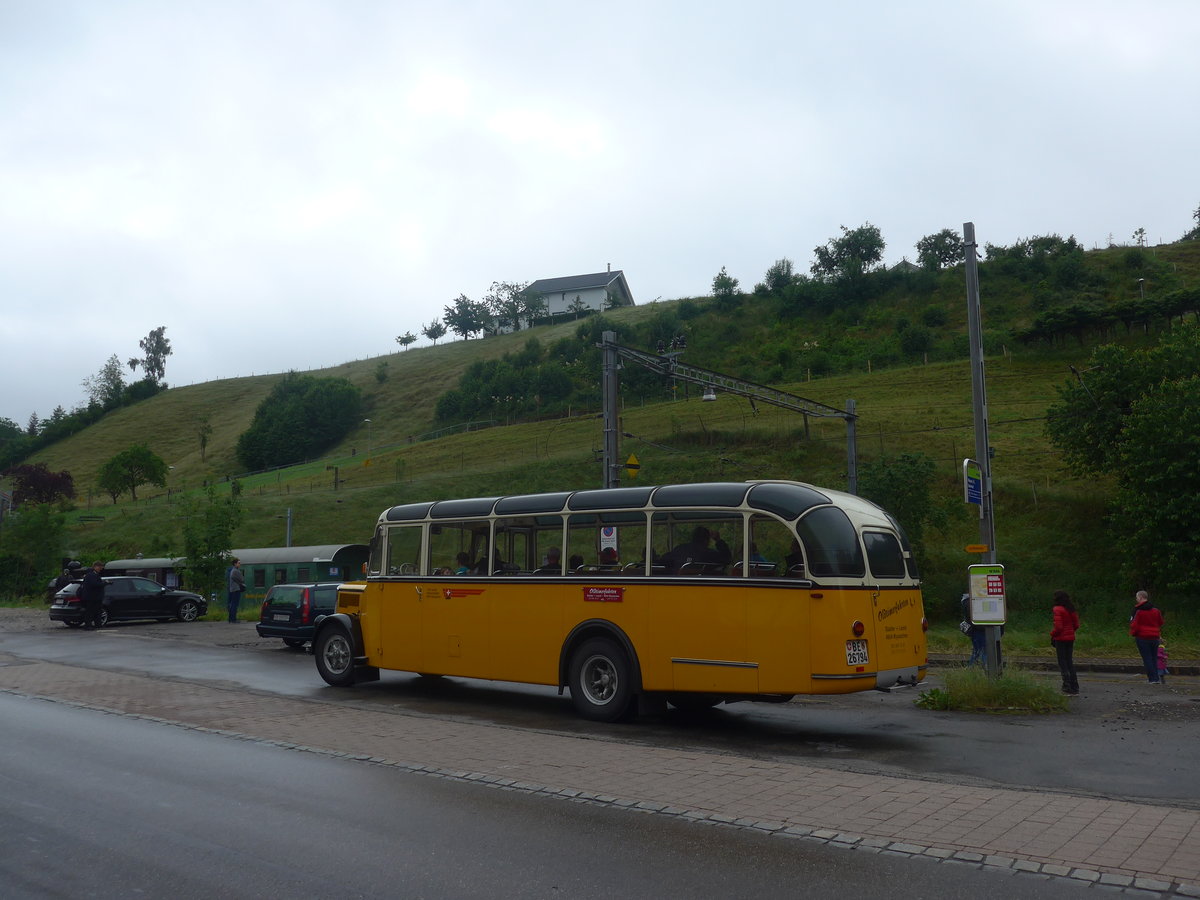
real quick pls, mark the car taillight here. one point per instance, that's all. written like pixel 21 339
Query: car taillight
pixel 305 607
pixel 858 628
pixel 262 611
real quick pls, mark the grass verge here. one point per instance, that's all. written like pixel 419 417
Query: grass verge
pixel 1015 691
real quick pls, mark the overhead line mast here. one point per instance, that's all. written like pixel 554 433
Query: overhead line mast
pixel 668 364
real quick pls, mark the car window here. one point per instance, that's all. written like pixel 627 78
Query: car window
pixel 285 595
pixel 145 585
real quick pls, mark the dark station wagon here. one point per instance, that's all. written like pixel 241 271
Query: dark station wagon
pixel 126 598
pixel 289 611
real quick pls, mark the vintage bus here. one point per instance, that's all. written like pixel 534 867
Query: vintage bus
pixel 633 597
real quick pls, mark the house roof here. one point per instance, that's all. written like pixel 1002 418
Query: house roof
pixel 575 282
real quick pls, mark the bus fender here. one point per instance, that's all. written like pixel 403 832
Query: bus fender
pixel 596 628
pixel 349 624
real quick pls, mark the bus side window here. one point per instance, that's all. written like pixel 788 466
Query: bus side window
pixel 773 550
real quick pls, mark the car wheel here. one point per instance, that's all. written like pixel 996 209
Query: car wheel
pixel 104 619
pixel 335 657
pixel 294 643
pixel 601 680
pixel 188 611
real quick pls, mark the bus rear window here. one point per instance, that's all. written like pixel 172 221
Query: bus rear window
pixel 830 544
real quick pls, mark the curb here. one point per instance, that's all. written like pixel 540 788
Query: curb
pixel 1186 668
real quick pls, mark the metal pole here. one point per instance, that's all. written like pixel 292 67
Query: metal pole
pixel 610 390
pixel 987 526
pixel 851 448
pixel 288 538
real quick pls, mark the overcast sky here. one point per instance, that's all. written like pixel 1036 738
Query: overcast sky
pixel 292 184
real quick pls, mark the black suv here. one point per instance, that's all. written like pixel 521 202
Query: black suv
pixel 129 597
pixel 289 610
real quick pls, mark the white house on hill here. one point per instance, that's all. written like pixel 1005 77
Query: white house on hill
pixel 592 291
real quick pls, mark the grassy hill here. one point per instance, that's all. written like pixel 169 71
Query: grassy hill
pixel 1049 523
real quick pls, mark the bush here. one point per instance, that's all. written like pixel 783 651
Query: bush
pixel 1015 690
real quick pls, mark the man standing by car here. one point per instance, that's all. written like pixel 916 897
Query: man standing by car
pixel 237 584
pixel 92 592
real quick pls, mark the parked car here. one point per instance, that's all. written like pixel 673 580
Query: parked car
pixel 289 610
pixel 128 597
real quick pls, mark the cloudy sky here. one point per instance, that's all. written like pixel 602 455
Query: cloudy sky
pixel 292 184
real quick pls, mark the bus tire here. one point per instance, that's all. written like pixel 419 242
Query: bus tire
pixel 335 657
pixel 601 680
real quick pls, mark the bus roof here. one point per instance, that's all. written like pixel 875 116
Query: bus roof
pixel 787 499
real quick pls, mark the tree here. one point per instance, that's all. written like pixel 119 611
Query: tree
pixel 936 251
pixel 725 290
pixel 157 348
pixel 208 527
pixel 434 330
pixel 1194 234
pixel 1131 414
pixel 31 548
pixel 535 305
pixel 903 485
pixel 1139 237
pixel 204 431
pixel 301 418
pixel 854 254
pixel 35 483
pixel 577 306
pixel 465 316
pixel 510 306
pixel 405 339
pixel 34 426
pixel 780 276
pixel 106 387
pixel 130 468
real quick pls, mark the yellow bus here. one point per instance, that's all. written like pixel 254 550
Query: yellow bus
pixel 692 594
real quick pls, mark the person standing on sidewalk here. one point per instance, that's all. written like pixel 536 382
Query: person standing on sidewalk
pixel 1062 638
pixel 974 632
pixel 91 591
pixel 236 585
pixel 1146 627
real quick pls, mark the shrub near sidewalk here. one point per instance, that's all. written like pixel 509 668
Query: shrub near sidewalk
pixel 1015 691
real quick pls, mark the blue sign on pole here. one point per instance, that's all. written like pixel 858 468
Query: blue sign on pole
pixel 972 482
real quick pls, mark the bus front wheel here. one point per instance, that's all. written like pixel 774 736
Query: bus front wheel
pixel 335 657
pixel 601 680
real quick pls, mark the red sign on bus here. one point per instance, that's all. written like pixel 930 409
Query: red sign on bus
pixel 604 594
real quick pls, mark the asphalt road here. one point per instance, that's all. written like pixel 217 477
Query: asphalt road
pixel 104 806
pixel 1121 739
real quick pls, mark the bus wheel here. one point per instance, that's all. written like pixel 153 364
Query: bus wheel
pixel 335 657
pixel 601 681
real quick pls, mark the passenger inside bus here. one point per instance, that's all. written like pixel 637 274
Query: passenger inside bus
pixel 795 561
pixel 696 557
pixel 553 565
pixel 462 564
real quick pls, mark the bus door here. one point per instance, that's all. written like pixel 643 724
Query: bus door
pixel 453 629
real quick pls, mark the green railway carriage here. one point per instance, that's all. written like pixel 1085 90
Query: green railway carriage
pixel 262 566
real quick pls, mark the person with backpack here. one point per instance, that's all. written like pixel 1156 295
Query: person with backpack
pixel 1145 625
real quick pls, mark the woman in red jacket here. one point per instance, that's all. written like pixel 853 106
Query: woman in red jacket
pixel 1062 637
pixel 1146 627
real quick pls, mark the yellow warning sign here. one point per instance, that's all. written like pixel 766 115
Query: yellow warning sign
pixel 632 466
pixel 977 548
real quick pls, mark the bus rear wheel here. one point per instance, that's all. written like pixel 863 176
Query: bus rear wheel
pixel 335 657
pixel 601 680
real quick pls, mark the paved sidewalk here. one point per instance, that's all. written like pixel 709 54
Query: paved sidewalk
pixel 1143 848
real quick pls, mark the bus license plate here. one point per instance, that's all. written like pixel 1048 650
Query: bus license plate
pixel 856 653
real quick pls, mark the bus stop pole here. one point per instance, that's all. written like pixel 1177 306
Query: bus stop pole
pixel 987 526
